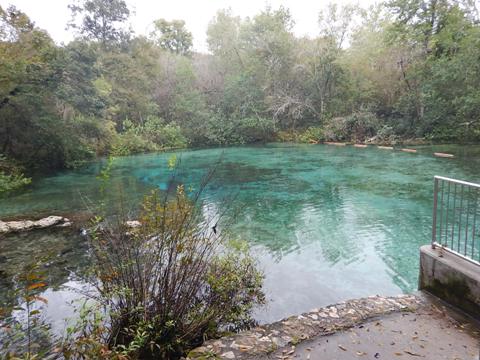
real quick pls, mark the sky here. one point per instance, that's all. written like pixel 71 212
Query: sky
pixel 53 15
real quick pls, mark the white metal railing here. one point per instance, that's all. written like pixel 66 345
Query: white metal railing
pixel 456 218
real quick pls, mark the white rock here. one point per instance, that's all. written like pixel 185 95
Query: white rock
pixel 333 312
pixel 67 223
pixel 48 221
pixel 24 225
pixel 133 223
pixel 4 227
pixel 20 225
pixel 228 355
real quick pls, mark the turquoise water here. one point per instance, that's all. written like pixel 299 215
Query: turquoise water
pixel 326 223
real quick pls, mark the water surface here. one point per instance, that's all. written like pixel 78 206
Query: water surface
pixel 327 223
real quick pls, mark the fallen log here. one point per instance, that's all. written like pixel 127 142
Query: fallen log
pixel 444 155
pixel 335 143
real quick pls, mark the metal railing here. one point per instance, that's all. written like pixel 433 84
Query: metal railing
pixel 456 218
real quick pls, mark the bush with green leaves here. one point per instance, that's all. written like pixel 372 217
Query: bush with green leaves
pixel 153 135
pixel 255 128
pixel 386 135
pixel 85 138
pixel 312 135
pixel 11 176
pixel 166 136
pixel 220 130
pixel 171 282
pixel 10 182
pixel 357 127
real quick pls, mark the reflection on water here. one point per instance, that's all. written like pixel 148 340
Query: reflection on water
pixel 327 223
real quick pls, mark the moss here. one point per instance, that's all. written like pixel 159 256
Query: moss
pixel 295 340
pixel 455 291
pixel 203 355
pixel 272 348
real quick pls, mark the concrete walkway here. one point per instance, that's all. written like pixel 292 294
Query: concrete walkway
pixel 431 332
pixel 416 326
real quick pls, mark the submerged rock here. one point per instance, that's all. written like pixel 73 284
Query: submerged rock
pixel 26 225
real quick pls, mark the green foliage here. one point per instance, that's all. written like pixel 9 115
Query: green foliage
pixel 101 20
pixel 386 135
pixel 404 69
pixel 171 282
pixel 26 336
pixel 358 127
pixel 312 135
pixel 172 36
pixel 129 143
pixel 153 135
pixel 11 176
pixel 218 131
pixel 166 136
pixel 87 338
pixel 9 182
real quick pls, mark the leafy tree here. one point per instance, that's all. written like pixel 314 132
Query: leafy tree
pixel 79 71
pixel 100 20
pixel 30 75
pixel 223 39
pixel 172 36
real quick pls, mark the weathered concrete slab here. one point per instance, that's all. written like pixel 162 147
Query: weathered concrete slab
pixel 266 339
pixel 451 278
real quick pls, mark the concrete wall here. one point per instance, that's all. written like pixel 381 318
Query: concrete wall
pixel 451 278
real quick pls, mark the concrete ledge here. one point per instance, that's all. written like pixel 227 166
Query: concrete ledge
pixel 451 278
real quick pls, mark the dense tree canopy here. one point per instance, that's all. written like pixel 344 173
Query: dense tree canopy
pixel 399 70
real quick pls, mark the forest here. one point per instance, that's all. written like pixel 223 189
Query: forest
pixel 402 70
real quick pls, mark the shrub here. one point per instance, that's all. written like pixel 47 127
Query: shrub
pixel 359 126
pixel 167 136
pixel 11 176
pixel 130 143
pixel 12 182
pixel 286 136
pixel 254 129
pixel 171 282
pixel 153 135
pixel 312 135
pixel 386 135
pixel 172 137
